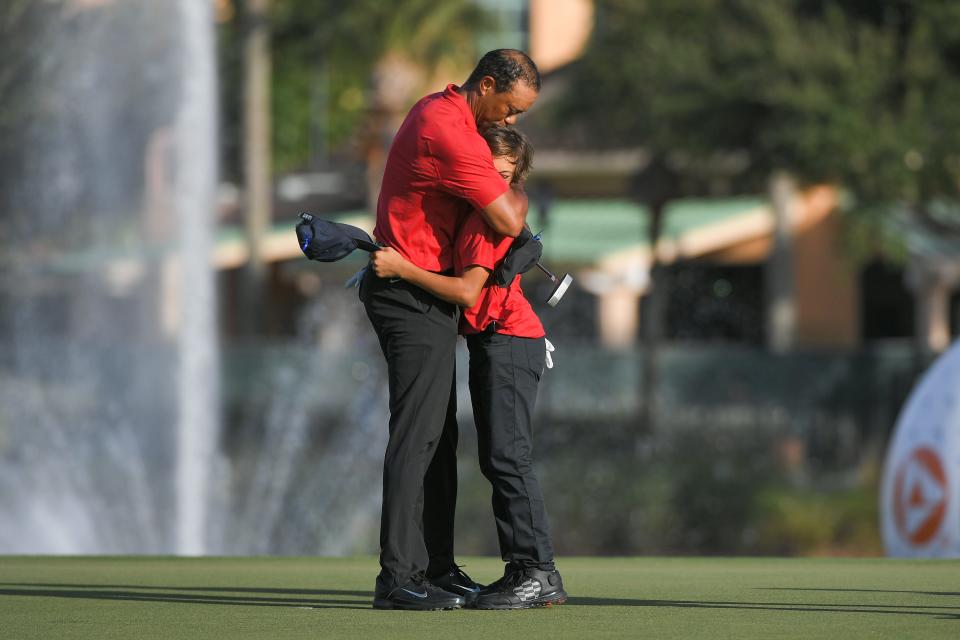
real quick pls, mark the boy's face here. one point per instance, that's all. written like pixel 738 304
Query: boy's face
pixel 505 165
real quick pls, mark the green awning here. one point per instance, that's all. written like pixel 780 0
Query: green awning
pixel 583 231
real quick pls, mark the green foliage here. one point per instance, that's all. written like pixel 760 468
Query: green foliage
pixel 862 94
pixel 797 522
pixel 684 492
pixel 711 490
pixel 870 231
pixel 324 53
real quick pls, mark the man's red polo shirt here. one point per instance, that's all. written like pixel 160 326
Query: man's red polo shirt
pixel 478 244
pixel 438 169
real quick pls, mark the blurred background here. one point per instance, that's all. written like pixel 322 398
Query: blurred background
pixel 758 202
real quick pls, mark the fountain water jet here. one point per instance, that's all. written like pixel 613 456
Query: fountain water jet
pixel 109 390
pixel 194 186
pixel 108 353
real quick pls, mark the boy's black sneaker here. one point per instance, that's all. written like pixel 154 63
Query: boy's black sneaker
pixel 457 581
pixel 523 588
pixel 417 594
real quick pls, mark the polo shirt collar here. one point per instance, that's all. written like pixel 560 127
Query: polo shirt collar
pixel 451 93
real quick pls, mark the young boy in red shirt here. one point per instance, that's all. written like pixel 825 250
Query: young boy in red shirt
pixel 508 353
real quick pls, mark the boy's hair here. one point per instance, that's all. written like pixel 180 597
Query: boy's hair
pixel 505 141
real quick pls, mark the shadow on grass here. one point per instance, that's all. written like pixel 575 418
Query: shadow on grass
pixel 349 599
pixel 918 593
pixel 939 612
pixel 313 598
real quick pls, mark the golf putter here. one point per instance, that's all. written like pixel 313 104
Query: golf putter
pixel 560 288
pixel 561 285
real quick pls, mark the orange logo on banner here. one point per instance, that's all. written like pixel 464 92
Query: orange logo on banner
pixel 920 496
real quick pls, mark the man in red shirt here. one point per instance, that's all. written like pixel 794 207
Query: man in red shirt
pixel 507 358
pixel 438 169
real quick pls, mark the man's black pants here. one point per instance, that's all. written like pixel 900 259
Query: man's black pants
pixel 418 334
pixel 504 374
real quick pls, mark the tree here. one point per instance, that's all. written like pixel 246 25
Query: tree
pixel 360 62
pixel 862 94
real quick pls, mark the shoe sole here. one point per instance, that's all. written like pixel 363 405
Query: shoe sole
pixel 557 598
pixel 388 605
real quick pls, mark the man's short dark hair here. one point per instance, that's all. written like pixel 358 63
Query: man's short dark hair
pixel 506 66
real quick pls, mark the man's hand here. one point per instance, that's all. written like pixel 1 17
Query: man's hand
pixel 387 263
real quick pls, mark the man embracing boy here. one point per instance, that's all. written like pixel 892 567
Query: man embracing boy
pixel 508 353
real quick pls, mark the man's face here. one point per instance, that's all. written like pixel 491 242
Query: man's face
pixel 502 109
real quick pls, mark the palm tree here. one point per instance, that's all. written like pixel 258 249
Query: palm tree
pixel 388 53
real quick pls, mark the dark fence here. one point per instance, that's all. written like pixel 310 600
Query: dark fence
pixel 745 452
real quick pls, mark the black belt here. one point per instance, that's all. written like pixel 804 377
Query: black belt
pixel 490 328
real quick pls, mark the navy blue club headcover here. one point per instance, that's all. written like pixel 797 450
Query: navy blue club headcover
pixel 524 254
pixel 328 241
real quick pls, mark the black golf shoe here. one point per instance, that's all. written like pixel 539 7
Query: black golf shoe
pixel 458 582
pixel 523 588
pixel 417 594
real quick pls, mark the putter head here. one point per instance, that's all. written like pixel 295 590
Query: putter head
pixel 561 288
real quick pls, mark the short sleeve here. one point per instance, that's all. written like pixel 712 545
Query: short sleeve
pixel 465 167
pixel 476 244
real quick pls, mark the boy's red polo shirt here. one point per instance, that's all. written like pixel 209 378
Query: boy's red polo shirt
pixel 477 244
pixel 438 169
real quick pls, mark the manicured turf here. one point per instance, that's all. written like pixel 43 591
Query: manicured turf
pixel 275 598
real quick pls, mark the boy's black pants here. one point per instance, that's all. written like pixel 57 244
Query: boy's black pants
pixel 418 334
pixel 504 374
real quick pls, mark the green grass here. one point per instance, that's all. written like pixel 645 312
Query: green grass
pixel 276 598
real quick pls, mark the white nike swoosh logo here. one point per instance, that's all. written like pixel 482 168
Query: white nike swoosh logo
pixel 473 589
pixel 414 593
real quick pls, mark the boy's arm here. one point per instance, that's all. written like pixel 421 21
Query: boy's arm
pixel 462 290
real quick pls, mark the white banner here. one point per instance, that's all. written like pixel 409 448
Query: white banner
pixel 920 499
